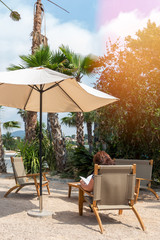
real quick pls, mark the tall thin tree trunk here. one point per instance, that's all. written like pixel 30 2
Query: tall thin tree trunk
pixel 37 40
pixel 31 126
pixel 58 141
pixel 80 128
pixel 90 138
pixel 96 135
pixel 2 162
pixel 37 37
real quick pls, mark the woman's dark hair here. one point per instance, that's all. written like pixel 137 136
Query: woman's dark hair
pixel 102 158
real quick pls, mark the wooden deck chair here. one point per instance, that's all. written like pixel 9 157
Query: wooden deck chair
pixel 21 178
pixel 143 174
pixel 113 190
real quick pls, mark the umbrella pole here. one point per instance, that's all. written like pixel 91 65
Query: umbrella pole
pixel 40 151
pixel 40 212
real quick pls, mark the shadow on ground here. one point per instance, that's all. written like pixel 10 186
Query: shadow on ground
pixel 16 203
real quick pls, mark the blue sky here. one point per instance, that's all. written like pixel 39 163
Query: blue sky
pixel 86 29
pixel 81 11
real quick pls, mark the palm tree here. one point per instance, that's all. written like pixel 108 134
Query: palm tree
pixel 89 118
pixel 6 125
pixel 8 140
pixel 31 119
pixel 80 66
pixel 55 61
pixel 37 40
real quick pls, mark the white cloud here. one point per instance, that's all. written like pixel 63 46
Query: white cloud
pixel 127 23
pixel 71 34
pixel 15 37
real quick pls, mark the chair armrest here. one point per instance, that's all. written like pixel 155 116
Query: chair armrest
pixel 29 175
pixel 144 179
pixel 22 176
pixel 36 174
pixel 33 175
pixel 88 193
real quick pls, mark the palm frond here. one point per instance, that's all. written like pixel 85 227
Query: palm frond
pixel 67 52
pixel 70 120
pixel 15 67
pixel 11 124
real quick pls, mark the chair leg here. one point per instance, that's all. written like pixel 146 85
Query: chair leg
pixel 37 186
pixel 137 187
pixel 95 210
pixel 80 201
pixel 10 190
pixel 156 195
pixel 38 192
pixel 37 189
pixel 69 191
pixel 19 189
pixel 138 217
pixel 120 211
pixel 48 188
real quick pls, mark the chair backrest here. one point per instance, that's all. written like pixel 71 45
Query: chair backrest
pixel 18 170
pixel 143 168
pixel 114 185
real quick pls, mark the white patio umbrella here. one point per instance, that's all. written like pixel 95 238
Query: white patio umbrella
pixel 44 90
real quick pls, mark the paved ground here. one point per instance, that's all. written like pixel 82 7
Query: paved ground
pixel 65 223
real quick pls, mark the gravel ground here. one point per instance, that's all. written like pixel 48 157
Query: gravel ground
pixel 65 222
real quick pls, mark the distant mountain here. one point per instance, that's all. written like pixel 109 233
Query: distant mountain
pixel 19 133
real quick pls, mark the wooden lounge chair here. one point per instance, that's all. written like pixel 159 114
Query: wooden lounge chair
pixel 21 178
pixel 113 190
pixel 143 174
pixel 71 185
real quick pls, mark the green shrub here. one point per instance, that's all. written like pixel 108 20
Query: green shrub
pixel 30 153
pixel 79 163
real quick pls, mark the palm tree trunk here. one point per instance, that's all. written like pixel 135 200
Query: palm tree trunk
pixel 96 134
pixel 58 141
pixel 2 162
pixel 80 128
pixel 90 138
pixel 31 126
pixel 37 40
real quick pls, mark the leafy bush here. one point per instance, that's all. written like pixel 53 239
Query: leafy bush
pixel 30 153
pixel 79 163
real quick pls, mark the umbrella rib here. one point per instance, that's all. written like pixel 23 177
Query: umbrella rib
pixel 34 87
pixel 55 85
pixel 28 97
pixel 69 97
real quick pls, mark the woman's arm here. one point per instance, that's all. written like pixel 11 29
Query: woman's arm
pixel 87 187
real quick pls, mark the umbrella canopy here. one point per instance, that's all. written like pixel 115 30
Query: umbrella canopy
pixel 20 89
pixel 44 90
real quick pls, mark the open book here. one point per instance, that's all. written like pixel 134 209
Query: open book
pixel 86 180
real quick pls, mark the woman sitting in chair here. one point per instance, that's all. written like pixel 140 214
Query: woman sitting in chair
pixel 100 158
